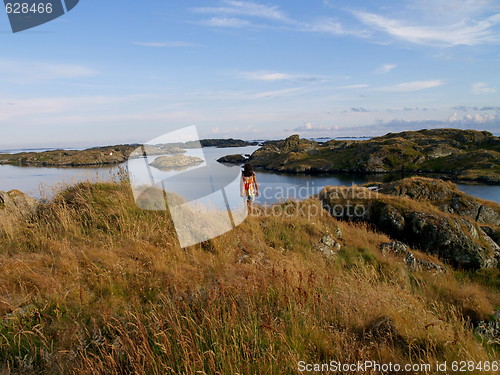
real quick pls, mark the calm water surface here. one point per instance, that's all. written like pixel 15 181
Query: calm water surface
pixel 42 182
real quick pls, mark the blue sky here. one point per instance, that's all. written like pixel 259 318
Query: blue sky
pixel 127 71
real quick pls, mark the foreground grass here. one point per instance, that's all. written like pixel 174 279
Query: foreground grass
pixel 92 284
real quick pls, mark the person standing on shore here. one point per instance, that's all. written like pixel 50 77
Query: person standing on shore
pixel 248 185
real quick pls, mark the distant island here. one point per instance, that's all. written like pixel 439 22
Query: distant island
pixel 166 163
pixel 459 155
pixel 110 155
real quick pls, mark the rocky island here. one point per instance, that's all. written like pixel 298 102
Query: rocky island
pixel 459 155
pixel 166 163
pixel 95 156
pixel 109 155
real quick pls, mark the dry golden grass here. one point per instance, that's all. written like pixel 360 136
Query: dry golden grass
pixel 94 285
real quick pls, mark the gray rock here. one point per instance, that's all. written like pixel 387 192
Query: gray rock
pixel 17 203
pixel 328 246
pixel 414 263
pixel 338 232
pixel 410 261
pixel 491 233
pixel 490 330
pixel 429 266
pixel 396 247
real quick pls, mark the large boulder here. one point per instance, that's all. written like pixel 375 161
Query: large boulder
pixel 17 203
pixel 454 239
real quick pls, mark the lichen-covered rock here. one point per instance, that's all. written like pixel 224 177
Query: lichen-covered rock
pixel 492 233
pixel 490 330
pixel 446 196
pixel 328 246
pixel 414 262
pixel 452 238
pixel 17 203
pixel 396 247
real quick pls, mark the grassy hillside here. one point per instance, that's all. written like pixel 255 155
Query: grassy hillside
pixel 92 284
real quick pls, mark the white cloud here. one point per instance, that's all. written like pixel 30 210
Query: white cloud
pixel 482 88
pixel 277 76
pixel 461 32
pixel 453 117
pixel 413 86
pixel 245 8
pixel 165 44
pixel 264 76
pixel 327 26
pixel 356 86
pixel 308 127
pixel 29 72
pixel 226 22
pixel 385 68
pixel 272 94
pixel 452 11
pixel 473 118
pixel 234 14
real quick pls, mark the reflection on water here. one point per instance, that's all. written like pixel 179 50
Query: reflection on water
pixel 39 182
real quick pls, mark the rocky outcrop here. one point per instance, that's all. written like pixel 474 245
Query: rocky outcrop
pixel 175 162
pixel 454 239
pixel 465 155
pixel 17 203
pixel 328 246
pixel 489 330
pixel 445 196
pixel 413 261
